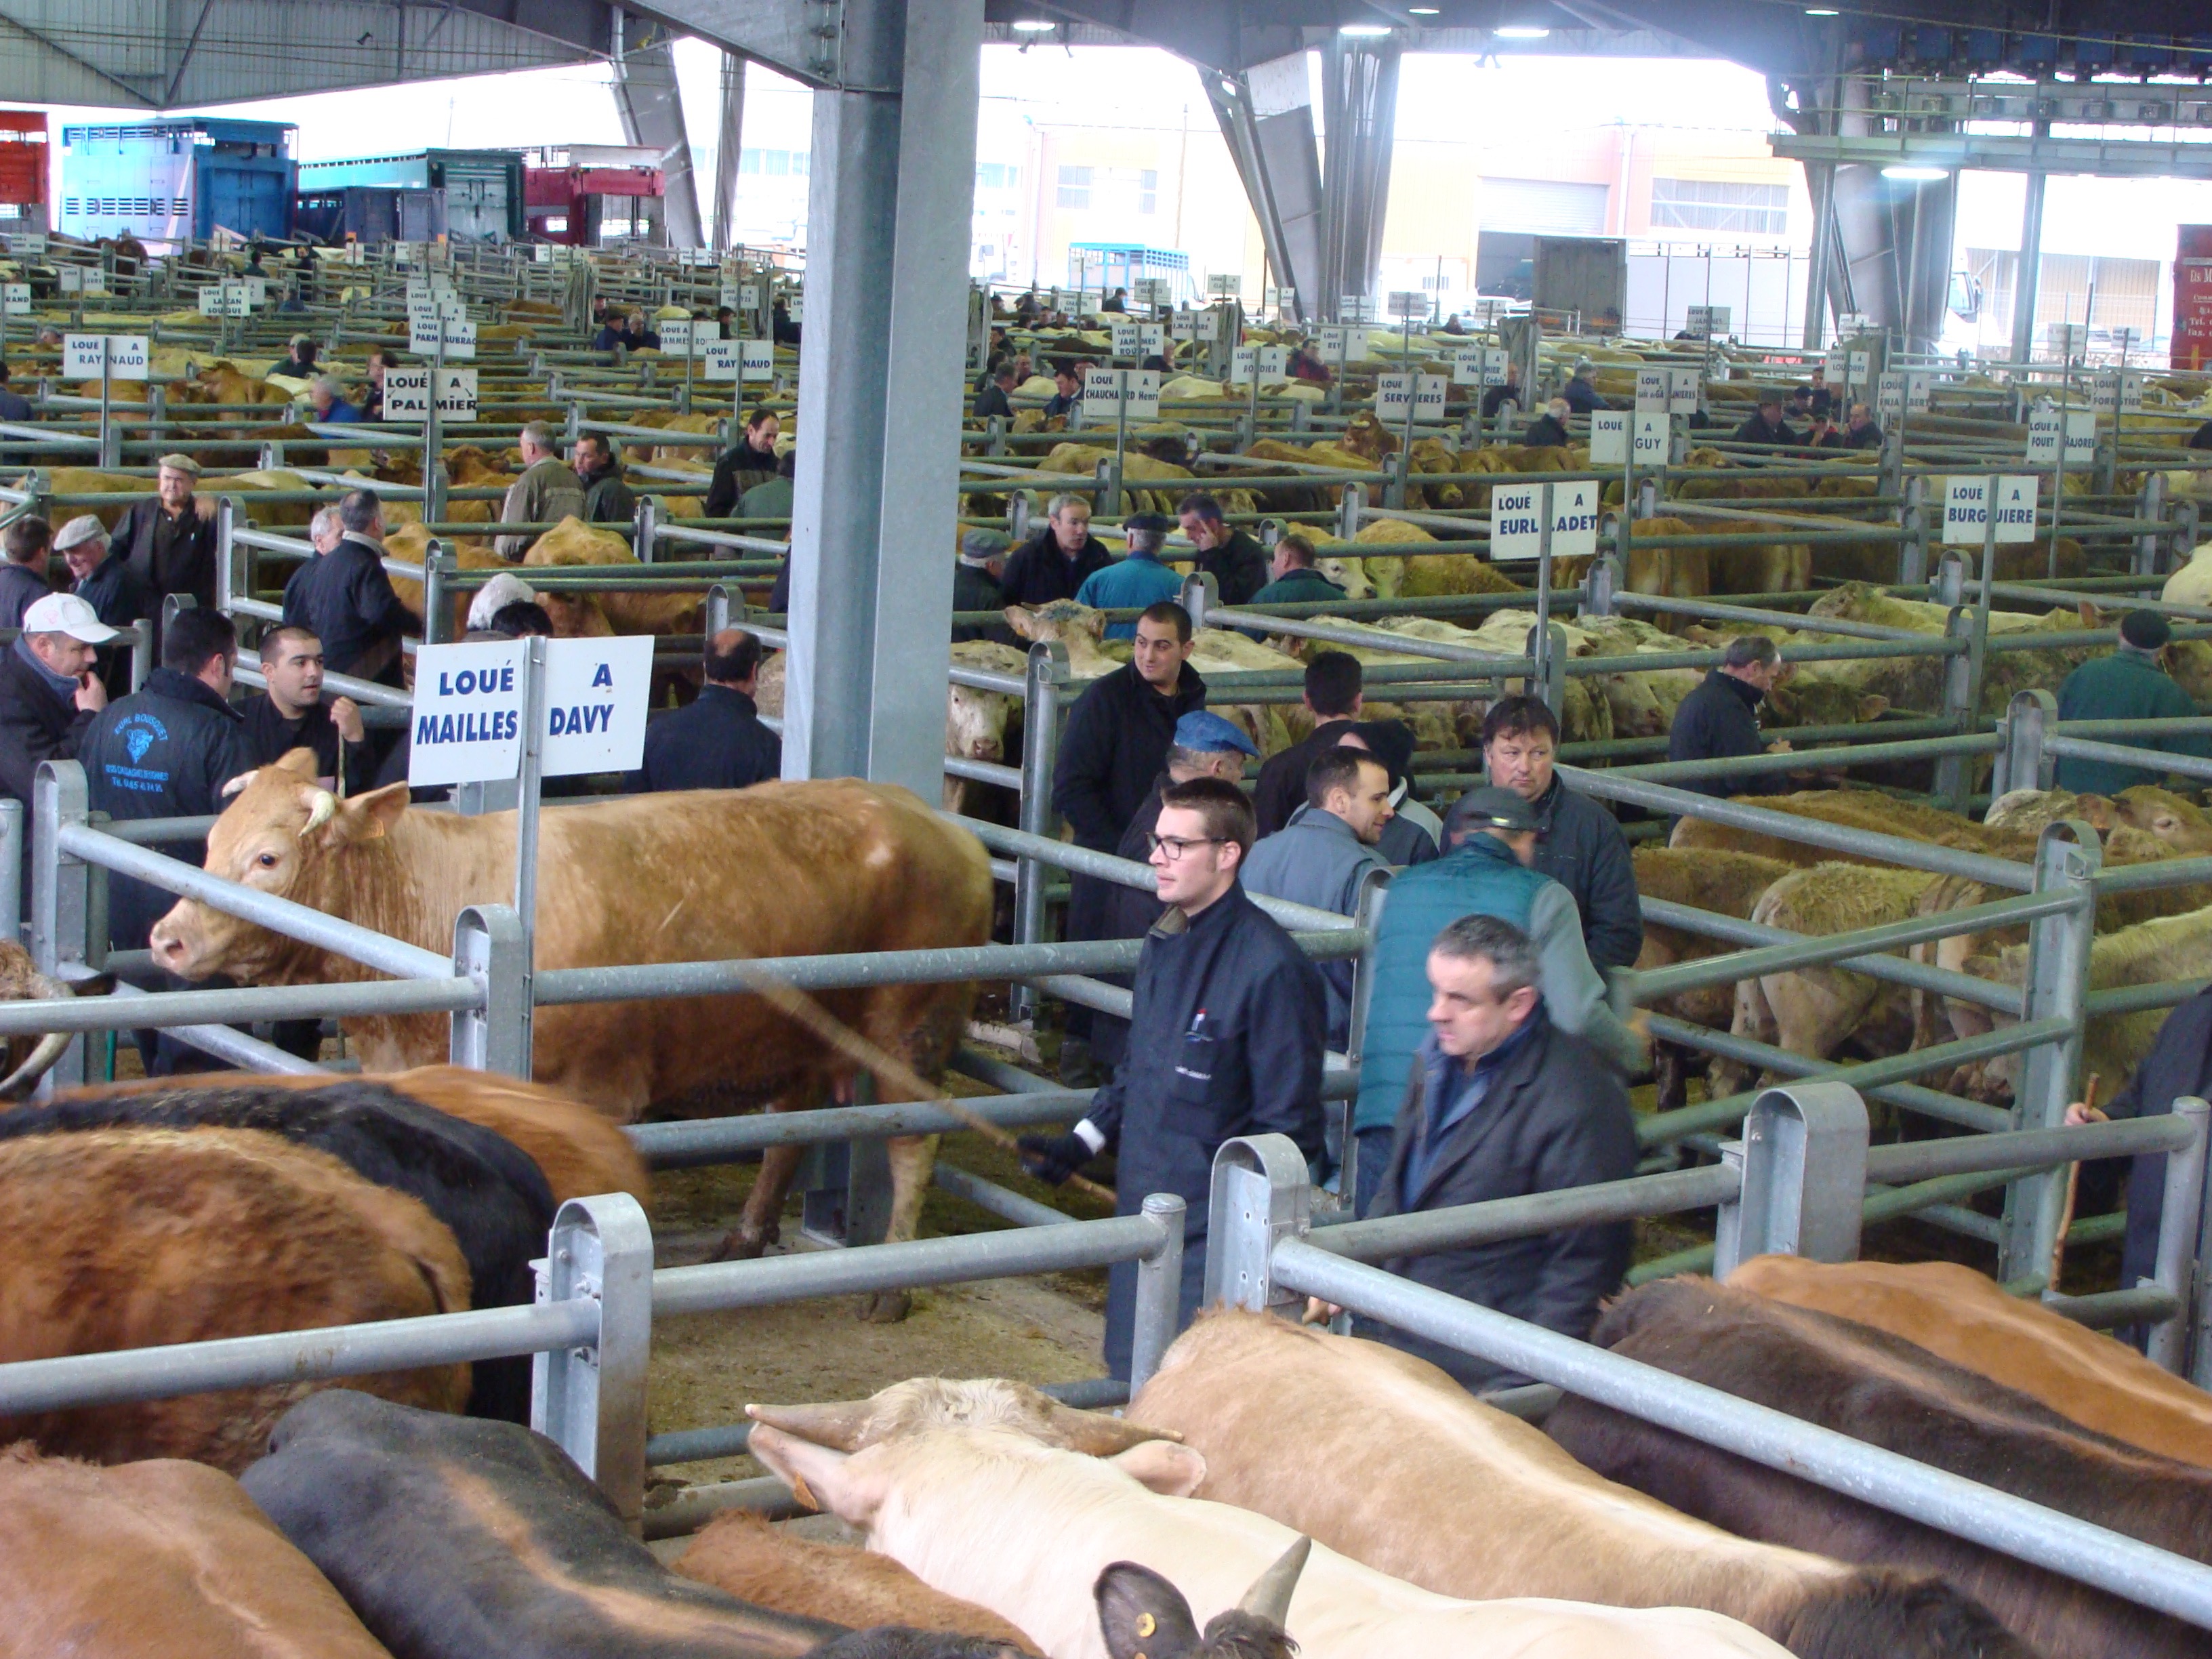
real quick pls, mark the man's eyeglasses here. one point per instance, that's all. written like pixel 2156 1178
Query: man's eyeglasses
pixel 1174 847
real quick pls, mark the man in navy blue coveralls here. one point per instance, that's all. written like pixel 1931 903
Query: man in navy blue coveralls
pixel 1225 1040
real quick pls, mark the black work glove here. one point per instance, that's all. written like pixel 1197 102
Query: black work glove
pixel 1052 1158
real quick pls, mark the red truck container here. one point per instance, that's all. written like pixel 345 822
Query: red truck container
pixel 587 194
pixel 22 169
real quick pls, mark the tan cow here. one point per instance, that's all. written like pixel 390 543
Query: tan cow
pixel 657 610
pixel 160 1559
pixel 780 869
pixel 1480 1504
pixel 1966 1317
pixel 2180 824
pixel 1727 883
pixel 134 1238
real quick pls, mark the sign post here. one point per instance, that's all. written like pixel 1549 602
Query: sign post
pixel 1543 522
pixel 112 357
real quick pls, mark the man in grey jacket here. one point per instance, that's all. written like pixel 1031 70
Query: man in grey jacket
pixel 1323 856
pixel 546 493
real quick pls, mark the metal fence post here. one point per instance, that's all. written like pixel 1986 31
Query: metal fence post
pixel 1159 1290
pixel 1948 584
pixel 1374 894
pixel 227 583
pixel 11 870
pixel 1109 488
pixel 591 1400
pixel 1043 675
pixel 2180 1222
pixel 2186 515
pixel 2150 504
pixel 1260 1196
pixel 1017 516
pixel 2067 857
pixel 1201 594
pixel 60 895
pixel 1912 519
pixel 1549 648
pixel 1348 511
pixel 2021 763
pixel 642 525
pixel 489 949
pixel 436 483
pixel 439 562
pixel 1803 1159
pixel 1953 781
pixel 1600 584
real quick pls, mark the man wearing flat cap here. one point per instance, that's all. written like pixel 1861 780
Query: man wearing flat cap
pixel 975 586
pixel 2130 684
pixel 1132 583
pixel 168 543
pixel 100 575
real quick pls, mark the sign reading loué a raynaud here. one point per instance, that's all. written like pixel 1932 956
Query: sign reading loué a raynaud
pixel 467 719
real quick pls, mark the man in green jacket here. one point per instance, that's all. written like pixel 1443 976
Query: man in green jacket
pixel 1487 875
pixel 1295 580
pixel 2130 684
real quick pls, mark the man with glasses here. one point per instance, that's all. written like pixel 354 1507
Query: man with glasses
pixel 1225 1040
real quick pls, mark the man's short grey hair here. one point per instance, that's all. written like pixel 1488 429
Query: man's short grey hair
pixel 539 433
pixel 1746 650
pixel 326 522
pixel 360 511
pixel 1510 952
pixel 1066 500
pixel 329 387
pixel 1145 540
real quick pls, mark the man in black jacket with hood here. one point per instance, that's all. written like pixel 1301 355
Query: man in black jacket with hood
pixel 1054 564
pixel 1237 563
pixel 165 752
pixel 1719 721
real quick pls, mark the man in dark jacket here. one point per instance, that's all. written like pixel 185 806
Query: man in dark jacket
pixel 717 741
pixel 292 713
pixel 1578 845
pixel 1333 698
pixel 607 499
pixel 169 543
pixel 14 406
pixel 1581 391
pixel 1067 392
pixel 1549 429
pixel 1719 721
pixel 1057 560
pixel 28 546
pixel 993 398
pixel 163 752
pixel 101 576
pixel 1509 391
pixel 1115 743
pixel 49 695
pixel 773 498
pixel 299 363
pixel 975 586
pixel 1764 424
pixel 1859 430
pixel 1500 1104
pixel 345 598
pixel 1237 562
pixel 751 462
pixel 2130 684
pixel 1225 1040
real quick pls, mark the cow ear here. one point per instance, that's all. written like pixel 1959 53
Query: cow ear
pixel 1018 618
pixel 1164 1467
pixel 1872 707
pixel 820 1477
pixel 302 761
pixel 370 817
pixel 1141 1615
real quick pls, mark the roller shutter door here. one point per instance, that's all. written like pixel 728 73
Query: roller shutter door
pixel 1547 207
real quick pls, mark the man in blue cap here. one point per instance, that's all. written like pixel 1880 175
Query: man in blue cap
pixel 1132 583
pixel 1205 746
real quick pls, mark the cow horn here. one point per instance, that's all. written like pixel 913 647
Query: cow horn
pixel 838 1424
pixel 1100 1434
pixel 1269 1598
pixel 25 1078
pixel 322 808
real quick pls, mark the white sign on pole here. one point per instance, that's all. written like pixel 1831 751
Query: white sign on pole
pixel 1183 325
pixel 1208 325
pixel 1516 520
pixel 2120 390
pixel 1681 392
pixel 126 357
pixel 596 694
pixel 1889 396
pixel 676 337
pixel 423 332
pixel 1917 389
pixel 756 360
pixel 720 358
pixel 224 299
pixel 1153 290
pixel 1965 515
pixel 1127 341
pixel 1862 367
pixel 1225 288
pixel 1476 366
pixel 1410 304
pixel 1356 309
pixel 468 707
pixel 1706 321
pixel 1137 389
pixel 460 337
pixel 1653 391
pixel 72 279
pixel 2081 437
pixel 1608 445
pixel 457 394
pixel 1270 362
pixel 1653 437
pixel 1429 395
pixel 407 394
pixel 2066 340
pixel 2043 437
pixel 1834 365
pixel 1151 340
pixel 18 299
pixel 354 254
pixel 1330 344
pixel 95 280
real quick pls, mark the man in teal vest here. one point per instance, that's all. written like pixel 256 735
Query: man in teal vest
pixel 2130 684
pixel 1487 875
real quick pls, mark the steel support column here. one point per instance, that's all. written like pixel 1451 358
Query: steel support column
pixel 871 610
pixel 1266 115
pixel 1360 81
pixel 2027 274
pixel 729 144
pixel 1821 180
pixel 652 109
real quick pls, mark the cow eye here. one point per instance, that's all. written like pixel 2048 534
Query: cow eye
pixel 267 860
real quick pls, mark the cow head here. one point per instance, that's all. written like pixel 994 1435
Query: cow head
pixel 976 723
pixel 281 834
pixel 1140 1612
pixel 2182 826
pixel 932 1402
pixel 1350 574
pixel 30 1058
pixel 1063 620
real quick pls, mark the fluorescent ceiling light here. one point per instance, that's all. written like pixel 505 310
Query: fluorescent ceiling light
pixel 1033 25
pixel 1364 29
pixel 1820 11
pixel 1521 31
pixel 1917 175
pixel 1421 11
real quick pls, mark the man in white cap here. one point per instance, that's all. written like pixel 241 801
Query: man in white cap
pixel 169 543
pixel 48 693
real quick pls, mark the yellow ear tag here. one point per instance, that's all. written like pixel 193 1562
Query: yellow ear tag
pixel 1146 1624
pixel 799 1491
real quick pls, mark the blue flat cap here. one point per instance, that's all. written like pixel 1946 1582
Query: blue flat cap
pixel 1210 734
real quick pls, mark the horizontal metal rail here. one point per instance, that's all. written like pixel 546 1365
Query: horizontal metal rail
pixel 2140 998
pixel 2089 748
pixel 1001 1201
pixel 241 1004
pixel 719 1140
pixel 1813 760
pixel 1377 639
pixel 1714 612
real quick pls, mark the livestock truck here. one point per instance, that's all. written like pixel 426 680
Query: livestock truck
pixel 172 180
pixel 484 188
pixel 595 195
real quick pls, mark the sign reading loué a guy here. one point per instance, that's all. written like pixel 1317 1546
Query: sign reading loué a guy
pixel 466 724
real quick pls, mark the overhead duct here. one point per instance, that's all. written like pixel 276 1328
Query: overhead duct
pixel 1266 115
pixel 1360 87
pixel 652 109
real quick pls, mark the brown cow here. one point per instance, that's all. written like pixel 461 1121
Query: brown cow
pixel 1967 1318
pixel 30 1058
pixel 1866 1385
pixel 133 1238
pixel 162 1559
pixel 740 1554
pixel 780 869
pixel 1459 1497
